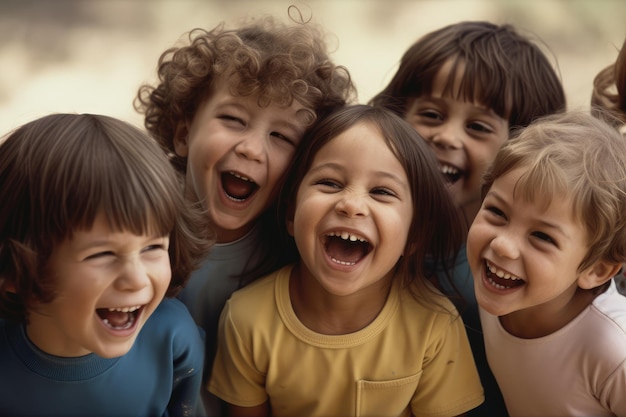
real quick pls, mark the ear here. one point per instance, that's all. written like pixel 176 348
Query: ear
pixel 597 274
pixel 181 140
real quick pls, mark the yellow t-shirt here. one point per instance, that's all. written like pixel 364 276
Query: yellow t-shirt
pixel 410 360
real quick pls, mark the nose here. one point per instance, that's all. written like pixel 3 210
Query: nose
pixel 251 146
pixel 447 137
pixel 352 205
pixel 505 246
pixel 132 276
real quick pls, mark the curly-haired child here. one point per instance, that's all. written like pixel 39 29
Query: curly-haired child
pixel 230 108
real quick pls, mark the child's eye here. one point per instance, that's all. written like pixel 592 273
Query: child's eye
pixel 228 118
pixel 283 138
pixel 327 183
pixel 480 127
pixel 431 114
pixel 154 247
pixel 100 255
pixel 544 237
pixel 383 191
pixel 495 211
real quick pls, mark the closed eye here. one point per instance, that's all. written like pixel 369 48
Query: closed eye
pixel 283 138
pixel 383 191
pixel 231 120
pixel 328 183
pixel 100 255
pixel 495 211
pixel 544 237
pixel 154 248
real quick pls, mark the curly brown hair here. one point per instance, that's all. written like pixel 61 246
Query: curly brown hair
pixel 603 101
pixel 277 62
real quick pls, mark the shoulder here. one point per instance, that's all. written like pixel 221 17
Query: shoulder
pixel 608 311
pixel 262 287
pixel 257 299
pixel 172 320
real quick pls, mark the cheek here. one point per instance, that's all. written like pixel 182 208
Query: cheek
pixel 475 240
pixel 278 163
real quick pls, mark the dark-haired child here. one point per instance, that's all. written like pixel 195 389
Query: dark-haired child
pixel 95 233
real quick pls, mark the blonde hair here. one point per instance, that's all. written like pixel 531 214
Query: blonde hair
pixel 581 157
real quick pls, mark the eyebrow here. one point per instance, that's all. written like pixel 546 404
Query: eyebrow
pixel 542 222
pixel 486 110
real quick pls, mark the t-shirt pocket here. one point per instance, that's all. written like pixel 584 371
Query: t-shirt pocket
pixel 386 398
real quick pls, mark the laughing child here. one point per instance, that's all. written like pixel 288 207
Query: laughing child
pixel 95 233
pixel 354 326
pixel 548 238
pixel 465 88
pixel 230 109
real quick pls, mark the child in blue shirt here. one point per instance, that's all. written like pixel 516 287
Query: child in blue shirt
pixel 96 239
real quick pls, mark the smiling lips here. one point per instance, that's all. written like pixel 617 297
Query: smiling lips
pixel 451 173
pixel 238 187
pixel 345 248
pixel 121 318
pixel 501 279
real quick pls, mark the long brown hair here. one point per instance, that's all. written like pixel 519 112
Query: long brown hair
pixel 435 234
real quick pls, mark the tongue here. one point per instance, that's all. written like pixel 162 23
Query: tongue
pixel 236 187
pixel 115 318
pixel 344 251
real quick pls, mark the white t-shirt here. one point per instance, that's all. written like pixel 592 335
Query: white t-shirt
pixel 579 370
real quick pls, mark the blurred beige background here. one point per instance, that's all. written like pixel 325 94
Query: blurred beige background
pixel 92 55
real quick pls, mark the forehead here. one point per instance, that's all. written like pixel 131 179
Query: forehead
pixel 224 93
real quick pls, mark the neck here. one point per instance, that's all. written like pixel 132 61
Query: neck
pixel 330 314
pixel 547 318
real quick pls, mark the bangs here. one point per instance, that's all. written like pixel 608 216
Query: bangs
pixel 541 184
pixel 478 83
pixel 117 173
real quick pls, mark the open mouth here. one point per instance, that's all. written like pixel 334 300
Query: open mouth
pixel 120 318
pixel 500 279
pixel 345 248
pixel 237 187
pixel 451 173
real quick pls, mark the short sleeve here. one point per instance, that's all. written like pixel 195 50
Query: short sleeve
pixel 450 384
pixel 236 378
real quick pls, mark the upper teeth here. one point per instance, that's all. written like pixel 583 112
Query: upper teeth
pixel 241 177
pixel 125 309
pixel 501 274
pixel 348 236
pixel 448 169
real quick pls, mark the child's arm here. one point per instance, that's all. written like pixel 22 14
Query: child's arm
pixel 261 410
